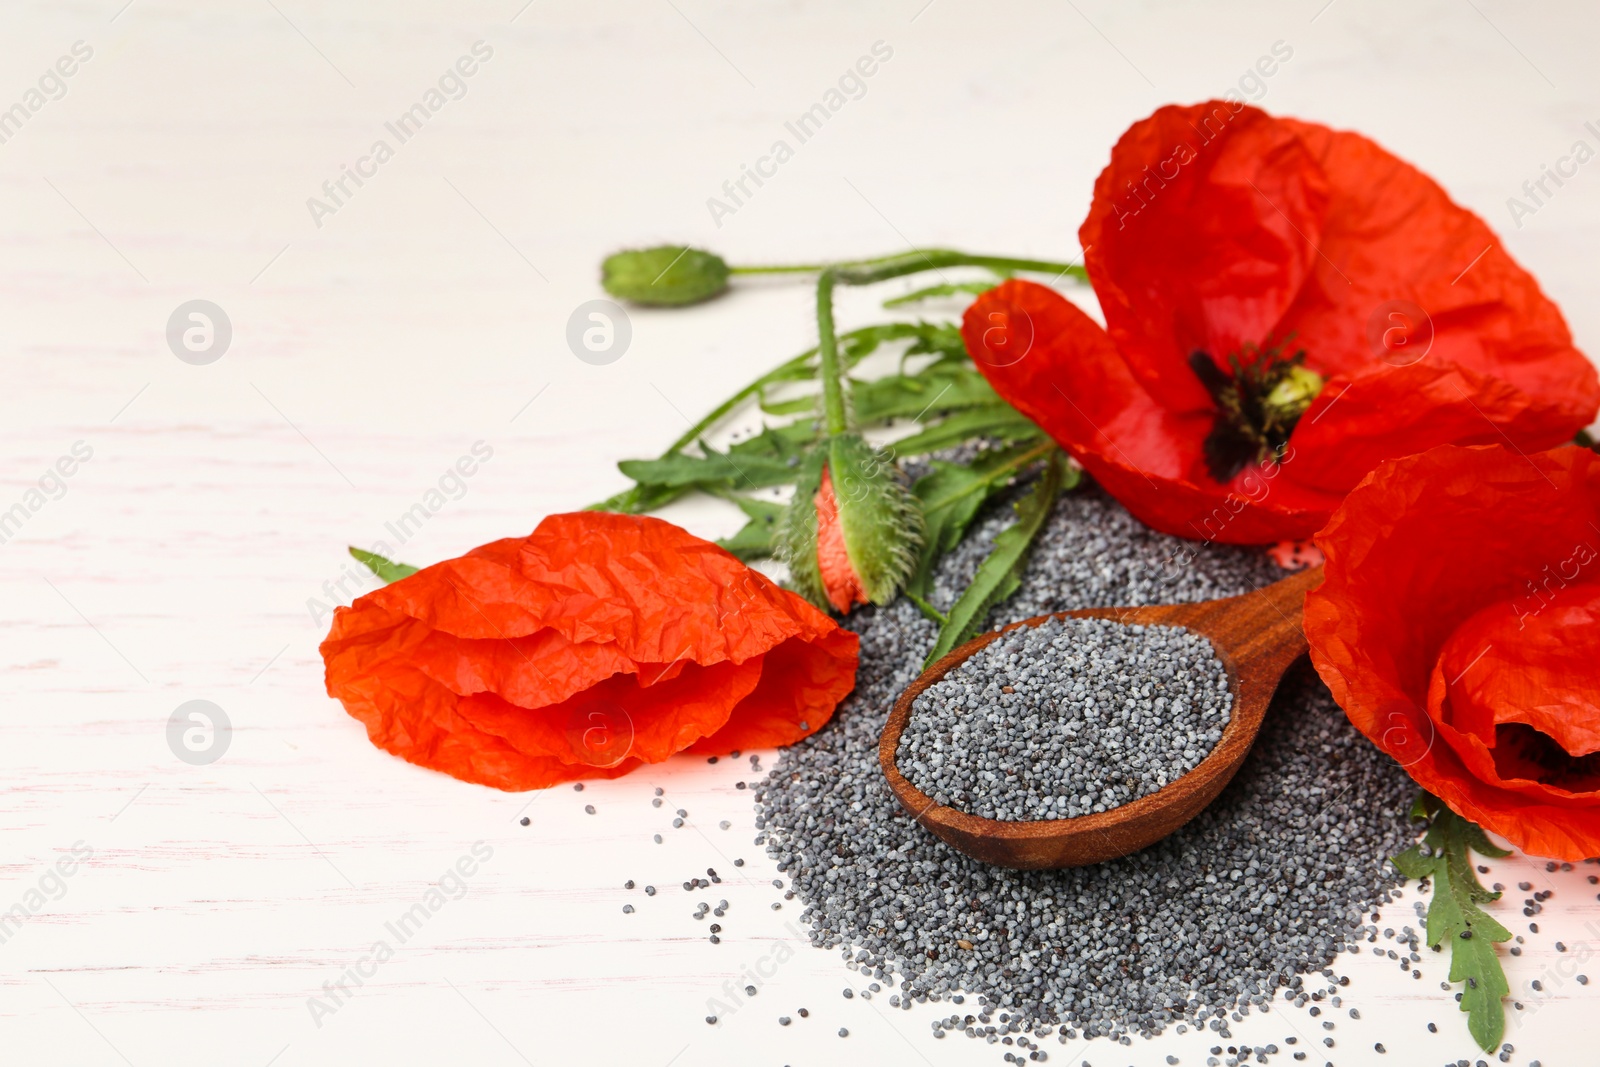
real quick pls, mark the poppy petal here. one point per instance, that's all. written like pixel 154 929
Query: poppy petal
pixel 596 643
pixel 1055 365
pixel 1421 546
pixel 1409 258
pixel 1201 234
pixel 1384 412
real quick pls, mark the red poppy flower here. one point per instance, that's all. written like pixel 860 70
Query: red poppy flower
pixel 598 643
pixel 1458 626
pixel 1222 243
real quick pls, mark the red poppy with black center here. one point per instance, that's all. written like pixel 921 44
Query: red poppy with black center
pixel 1286 305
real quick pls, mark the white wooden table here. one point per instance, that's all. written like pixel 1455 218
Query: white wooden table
pixel 377 338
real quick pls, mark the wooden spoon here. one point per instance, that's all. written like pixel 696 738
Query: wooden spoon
pixel 1256 636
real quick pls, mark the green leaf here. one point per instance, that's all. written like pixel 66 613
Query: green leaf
pixel 714 469
pixel 755 538
pixel 937 389
pixel 951 496
pixel 999 575
pixel 1479 842
pixel 1454 917
pixel 796 406
pixel 932 291
pixel 1412 864
pixel 939 338
pixel 638 499
pixel 1001 421
pixel 790 441
pixel 387 570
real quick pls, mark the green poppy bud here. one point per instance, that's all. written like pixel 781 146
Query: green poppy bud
pixel 852 532
pixel 665 276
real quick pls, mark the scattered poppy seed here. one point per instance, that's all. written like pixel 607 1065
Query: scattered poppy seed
pixel 1074 956
pixel 525 820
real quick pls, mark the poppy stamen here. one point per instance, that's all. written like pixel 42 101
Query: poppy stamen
pixel 1260 397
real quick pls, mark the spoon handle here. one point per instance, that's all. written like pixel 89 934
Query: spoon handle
pixel 1264 627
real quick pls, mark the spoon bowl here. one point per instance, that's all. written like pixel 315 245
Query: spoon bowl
pixel 1256 636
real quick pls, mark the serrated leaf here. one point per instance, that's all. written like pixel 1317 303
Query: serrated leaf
pixel 714 469
pixel 1454 917
pixel 1479 842
pixel 933 391
pixel 951 496
pixel 387 570
pixel 638 499
pixel 999 575
pixel 939 338
pixel 788 441
pixel 755 538
pixel 1000 421
pixel 933 291
pixel 1411 863
pixel 796 406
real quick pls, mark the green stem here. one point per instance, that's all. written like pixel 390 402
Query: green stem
pixel 862 272
pixel 810 268
pixel 834 418
pixel 922 259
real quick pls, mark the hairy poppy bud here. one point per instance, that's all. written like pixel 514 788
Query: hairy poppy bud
pixel 664 276
pixel 852 532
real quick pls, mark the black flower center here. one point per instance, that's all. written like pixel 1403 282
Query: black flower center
pixel 1520 751
pixel 1260 396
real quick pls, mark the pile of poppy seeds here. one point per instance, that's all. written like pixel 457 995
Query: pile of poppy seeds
pixel 1065 719
pixel 1264 888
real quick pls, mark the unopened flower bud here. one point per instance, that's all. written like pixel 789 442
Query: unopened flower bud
pixel 852 532
pixel 664 276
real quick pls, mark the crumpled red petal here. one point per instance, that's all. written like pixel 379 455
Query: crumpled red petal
pixel 1455 626
pixel 596 644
